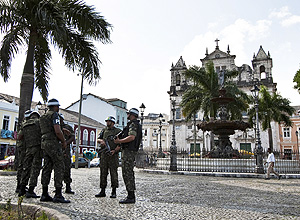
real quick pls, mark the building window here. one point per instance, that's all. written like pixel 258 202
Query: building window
pixel 178 113
pixel 85 137
pixel 16 124
pixel 123 121
pixel 178 80
pixel 92 138
pixel 5 124
pixel 118 119
pixel 286 133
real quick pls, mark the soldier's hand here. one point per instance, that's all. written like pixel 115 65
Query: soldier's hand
pixel 112 152
pixel 117 141
pixel 64 145
pixel 66 131
pixel 101 142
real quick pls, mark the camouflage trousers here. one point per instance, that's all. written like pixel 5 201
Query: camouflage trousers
pixel 128 158
pixel 32 166
pixel 68 165
pixel 53 160
pixel 21 156
pixel 109 163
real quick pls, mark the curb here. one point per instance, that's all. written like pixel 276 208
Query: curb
pixel 32 208
pixel 8 173
pixel 219 174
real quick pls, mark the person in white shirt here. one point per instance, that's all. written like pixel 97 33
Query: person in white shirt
pixel 271 162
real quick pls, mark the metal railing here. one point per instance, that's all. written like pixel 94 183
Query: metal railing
pixel 286 163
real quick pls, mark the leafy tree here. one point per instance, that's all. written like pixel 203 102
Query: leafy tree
pixel 69 25
pixel 271 107
pixel 205 87
pixel 297 80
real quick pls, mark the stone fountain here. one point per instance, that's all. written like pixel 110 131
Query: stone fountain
pixel 223 128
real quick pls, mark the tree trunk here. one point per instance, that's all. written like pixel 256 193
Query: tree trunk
pixel 27 81
pixel 270 135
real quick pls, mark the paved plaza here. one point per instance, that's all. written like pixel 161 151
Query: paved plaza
pixel 175 197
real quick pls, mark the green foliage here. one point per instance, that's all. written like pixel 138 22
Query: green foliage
pixel 297 80
pixel 69 25
pixel 198 96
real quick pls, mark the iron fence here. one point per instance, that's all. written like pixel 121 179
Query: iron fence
pixel 245 162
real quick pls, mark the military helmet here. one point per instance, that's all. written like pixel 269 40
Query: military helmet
pixel 133 111
pixel 61 116
pixel 35 112
pixel 111 118
pixel 27 113
pixel 53 102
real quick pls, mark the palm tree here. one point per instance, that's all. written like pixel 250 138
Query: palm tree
pixel 205 87
pixel 69 25
pixel 271 107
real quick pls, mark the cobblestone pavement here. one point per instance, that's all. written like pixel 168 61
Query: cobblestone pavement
pixel 175 197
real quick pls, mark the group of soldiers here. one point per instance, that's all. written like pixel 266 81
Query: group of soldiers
pixel 44 138
pixel 47 138
pixel 115 140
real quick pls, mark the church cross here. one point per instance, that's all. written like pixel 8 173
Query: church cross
pixel 217 42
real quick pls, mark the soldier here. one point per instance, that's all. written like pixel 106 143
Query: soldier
pixel 130 141
pixel 21 151
pixel 53 143
pixel 70 137
pixel 109 158
pixel 33 156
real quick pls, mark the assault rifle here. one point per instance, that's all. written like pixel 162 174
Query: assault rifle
pixel 106 148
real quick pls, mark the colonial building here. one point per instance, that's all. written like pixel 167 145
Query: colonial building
pixel 260 71
pixel 155 136
pixel 289 136
pixel 99 109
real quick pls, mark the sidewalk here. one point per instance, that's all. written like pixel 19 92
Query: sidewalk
pixel 174 197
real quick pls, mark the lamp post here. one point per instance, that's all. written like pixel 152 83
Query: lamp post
pixel 173 148
pixel 39 106
pixel 141 155
pixel 258 148
pixel 296 141
pixel 160 153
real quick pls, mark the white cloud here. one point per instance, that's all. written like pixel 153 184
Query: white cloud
pixel 294 19
pixel 283 12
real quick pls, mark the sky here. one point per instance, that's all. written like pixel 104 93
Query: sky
pixel 148 36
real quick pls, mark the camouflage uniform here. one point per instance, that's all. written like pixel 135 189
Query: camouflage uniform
pixel 33 156
pixel 20 154
pixel 53 155
pixel 67 155
pixel 109 162
pixel 128 156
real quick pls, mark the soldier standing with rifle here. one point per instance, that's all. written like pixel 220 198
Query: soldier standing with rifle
pixel 33 155
pixel 53 143
pixel 70 137
pixel 130 140
pixel 109 158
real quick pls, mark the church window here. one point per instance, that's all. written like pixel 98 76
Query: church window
pixel 85 137
pixel 262 71
pixel 218 69
pixel 178 80
pixel 92 138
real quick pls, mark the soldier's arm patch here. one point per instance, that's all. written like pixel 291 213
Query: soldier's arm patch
pixel 132 130
pixel 56 119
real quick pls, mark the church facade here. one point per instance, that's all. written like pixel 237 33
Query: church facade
pixel 186 135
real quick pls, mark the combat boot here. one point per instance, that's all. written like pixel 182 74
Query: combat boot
pixel 113 193
pixel 31 194
pixel 22 190
pixel 18 188
pixel 129 199
pixel 45 196
pixel 68 189
pixel 58 198
pixel 101 193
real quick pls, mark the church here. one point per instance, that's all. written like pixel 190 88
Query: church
pixel 186 134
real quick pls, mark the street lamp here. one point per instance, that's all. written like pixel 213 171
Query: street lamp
pixel 258 148
pixel 297 140
pixel 39 106
pixel 173 148
pixel 160 154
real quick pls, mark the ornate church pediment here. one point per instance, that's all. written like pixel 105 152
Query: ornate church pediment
pixel 261 54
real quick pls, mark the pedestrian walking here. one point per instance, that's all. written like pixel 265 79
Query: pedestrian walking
pixel 33 155
pixel 53 143
pixel 130 140
pixel 109 157
pixel 271 163
pixel 70 137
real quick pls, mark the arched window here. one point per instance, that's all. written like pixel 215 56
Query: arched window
pixel 178 79
pixel 262 71
pixel 85 137
pixel 92 138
